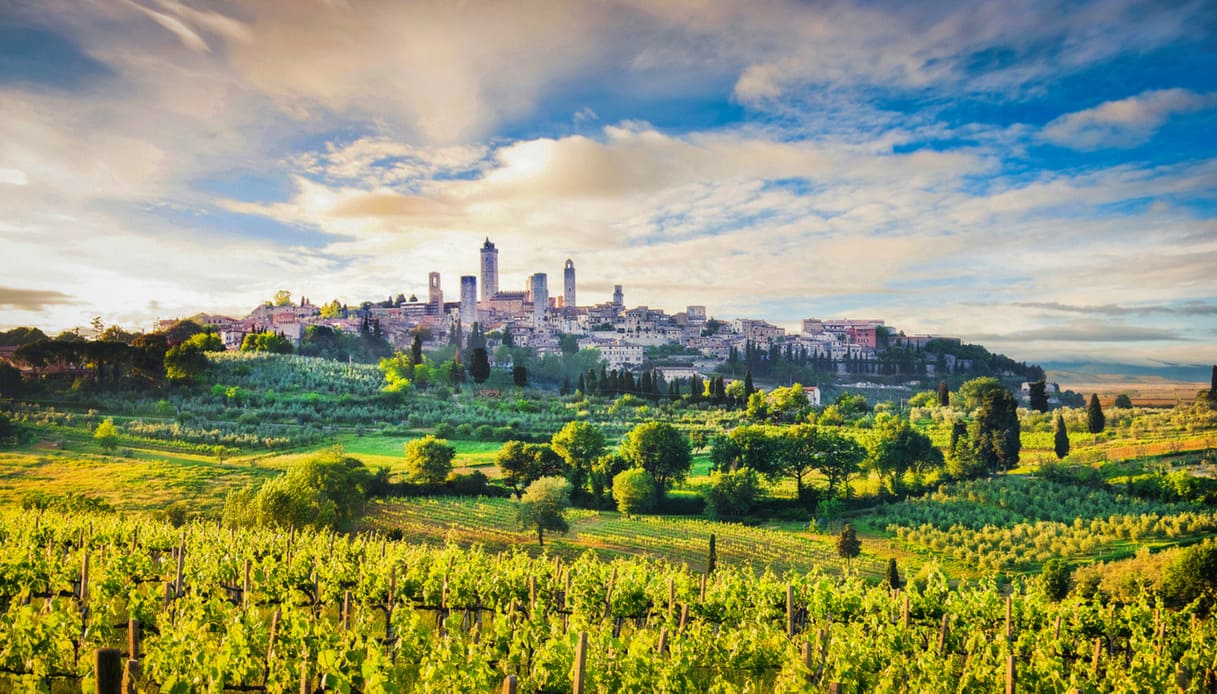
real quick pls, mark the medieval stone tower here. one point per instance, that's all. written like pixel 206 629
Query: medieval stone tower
pixel 490 271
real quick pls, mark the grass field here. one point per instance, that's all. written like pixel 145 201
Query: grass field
pixel 140 483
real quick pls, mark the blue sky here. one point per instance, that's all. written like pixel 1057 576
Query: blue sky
pixel 1039 177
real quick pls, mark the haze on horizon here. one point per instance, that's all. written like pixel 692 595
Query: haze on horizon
pixel 1040 177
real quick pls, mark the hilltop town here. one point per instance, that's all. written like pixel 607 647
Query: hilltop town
pixel 537 319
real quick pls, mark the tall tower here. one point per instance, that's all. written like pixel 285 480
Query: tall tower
pixel 618 296
pixel 540 296
pixel 490 271
pixel 469 301
pixel 435 295
pixel 568 285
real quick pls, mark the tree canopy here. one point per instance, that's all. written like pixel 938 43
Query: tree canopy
pixel 543 506
pixel 429 460
pixel 660 449
pixel 997 433
pixel 329 490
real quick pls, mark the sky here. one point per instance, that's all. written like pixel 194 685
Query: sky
pixel 1037 177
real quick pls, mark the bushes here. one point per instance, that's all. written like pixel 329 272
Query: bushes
pixel 1191 575
pixel 732 494
pixel 1055 578
pixel 635 491
pixel 327 491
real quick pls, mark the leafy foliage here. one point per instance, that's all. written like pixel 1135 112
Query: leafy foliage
pixel 660 449
pixel 326 491
pixel 732 494
pixel 543 505
pixel 429 460
pixel 634 491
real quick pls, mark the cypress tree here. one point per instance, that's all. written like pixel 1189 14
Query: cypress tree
pixel 416 351
pixel 711 557
pixel 1095 421
pixel 479 366
pixel 582 385
pixel 944 393
pixel 893 574
pixel 748 387
pixel 1038 396
pixel 1060 437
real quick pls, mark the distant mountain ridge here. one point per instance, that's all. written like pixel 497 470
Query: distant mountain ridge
pixel 1091 371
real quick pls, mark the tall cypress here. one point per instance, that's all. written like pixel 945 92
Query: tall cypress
pixel 1038 396
pixel 944 393
pixel 1095 421
pixel 1060 437
pixel 416 351
pixel 749 389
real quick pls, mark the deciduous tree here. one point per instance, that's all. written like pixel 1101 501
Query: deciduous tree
pixel 661 450
pixel 544 505
pixel 731 494
pixel 429 460
pixel 634 491
pixel 106 435
pixel 898 448
pixel 580 444
pixel 524 463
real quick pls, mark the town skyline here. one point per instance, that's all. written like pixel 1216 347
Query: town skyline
pixel 1037 177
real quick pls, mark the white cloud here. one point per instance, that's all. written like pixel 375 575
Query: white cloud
pixel 14 177
pixel 1124 123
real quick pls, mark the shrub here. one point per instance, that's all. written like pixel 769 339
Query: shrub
pixel 634 491
pixel 329 490
pixel 1055 578
pixel 429 460
pixel 732 494
pixel 469 484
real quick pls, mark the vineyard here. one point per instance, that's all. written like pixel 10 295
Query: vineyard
pixel 205 608
pixel 492 522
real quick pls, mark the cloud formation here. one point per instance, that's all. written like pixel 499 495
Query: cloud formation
pixel 31 299
pixel 1124 123
pixel 778 159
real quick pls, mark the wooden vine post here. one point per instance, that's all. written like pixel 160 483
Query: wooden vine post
pixel 108 670
pixel 580 665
